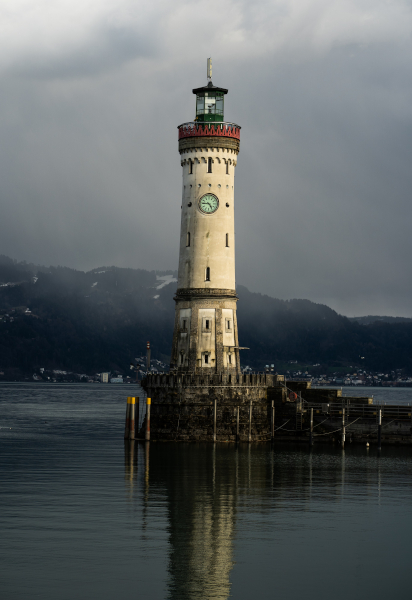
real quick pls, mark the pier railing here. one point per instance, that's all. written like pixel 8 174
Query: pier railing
pixel 356 407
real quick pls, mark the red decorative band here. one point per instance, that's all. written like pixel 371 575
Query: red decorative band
pixel 209 130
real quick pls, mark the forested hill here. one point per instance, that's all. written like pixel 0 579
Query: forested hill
pixel 60 318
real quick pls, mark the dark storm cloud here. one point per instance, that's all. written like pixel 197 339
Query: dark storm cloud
pixel 90 172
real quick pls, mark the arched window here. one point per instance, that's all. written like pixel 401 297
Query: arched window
pixel 209 165
pixel 188 239
pixel 207 275
pixel 227 240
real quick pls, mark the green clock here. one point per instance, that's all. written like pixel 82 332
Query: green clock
pixel 209 203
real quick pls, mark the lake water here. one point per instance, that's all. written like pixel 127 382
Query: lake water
pixel 84 516
pixel 381 395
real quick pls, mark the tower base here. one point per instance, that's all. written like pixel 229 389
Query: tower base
pixel 208 408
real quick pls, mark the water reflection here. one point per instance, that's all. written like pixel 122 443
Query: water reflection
pixel 211 490
pixel 201 486
pixel 130 465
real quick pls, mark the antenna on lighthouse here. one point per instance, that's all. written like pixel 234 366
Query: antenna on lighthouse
pixel 209 69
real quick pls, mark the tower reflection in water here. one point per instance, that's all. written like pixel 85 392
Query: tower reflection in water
pixel 200 485
pixel 202 511
pixel 205 489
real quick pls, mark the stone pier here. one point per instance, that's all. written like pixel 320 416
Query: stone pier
pixel 183 406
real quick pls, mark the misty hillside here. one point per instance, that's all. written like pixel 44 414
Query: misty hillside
pixel 61 318
pixel 372 319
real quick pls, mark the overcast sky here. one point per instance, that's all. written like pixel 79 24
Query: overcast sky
pixel 92 92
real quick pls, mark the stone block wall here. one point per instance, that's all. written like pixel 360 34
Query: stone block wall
pixel 182 406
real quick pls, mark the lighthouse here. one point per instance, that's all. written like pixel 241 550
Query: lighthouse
pixel 205 396
pixel 205 339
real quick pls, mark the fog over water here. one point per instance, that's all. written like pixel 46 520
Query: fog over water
pixel 90 173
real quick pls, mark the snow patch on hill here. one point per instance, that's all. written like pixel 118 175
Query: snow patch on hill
pixel 165 279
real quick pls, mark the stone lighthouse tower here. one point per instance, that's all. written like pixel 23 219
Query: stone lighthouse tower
pixel 205 337
pixel 205 396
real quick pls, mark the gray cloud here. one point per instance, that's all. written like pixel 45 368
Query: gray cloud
pixel 90 172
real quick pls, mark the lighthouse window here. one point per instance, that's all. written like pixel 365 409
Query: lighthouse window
pixel 228 324
pixel 209 165
pixel 207 324
pixel 184 326
pixel 188 239
pixel 227 240
pixel 207 275
pixel 210 104
pixel 190 167
pixel 200 105
pixel 230 359
pixel 206 359
pixel 227 168
pixel 182 357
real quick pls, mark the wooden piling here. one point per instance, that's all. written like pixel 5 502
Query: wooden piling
pixel 132 413
pixel 272 428
pixel 311 428
pixel 127 424
pixel 137 414
pixel 146 467
pixel 343 428
pixel 147 433
pixel 214 419
pixel 250 422
pixel 379 429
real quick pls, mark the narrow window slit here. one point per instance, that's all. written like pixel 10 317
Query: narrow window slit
pixel 188 239
pixel 209 165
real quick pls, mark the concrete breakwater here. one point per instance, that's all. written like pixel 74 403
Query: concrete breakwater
pixel 264 407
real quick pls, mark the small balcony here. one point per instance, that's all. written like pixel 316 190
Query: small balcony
pixel 220 129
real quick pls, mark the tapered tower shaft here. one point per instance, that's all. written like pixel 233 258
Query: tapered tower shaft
pixel 205 335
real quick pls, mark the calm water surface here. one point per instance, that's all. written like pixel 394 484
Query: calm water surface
pixel 82 515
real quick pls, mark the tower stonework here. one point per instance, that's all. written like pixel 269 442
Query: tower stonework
pixel 205 396
pixel 205 334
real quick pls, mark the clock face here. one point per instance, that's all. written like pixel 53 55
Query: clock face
pixel 208 204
